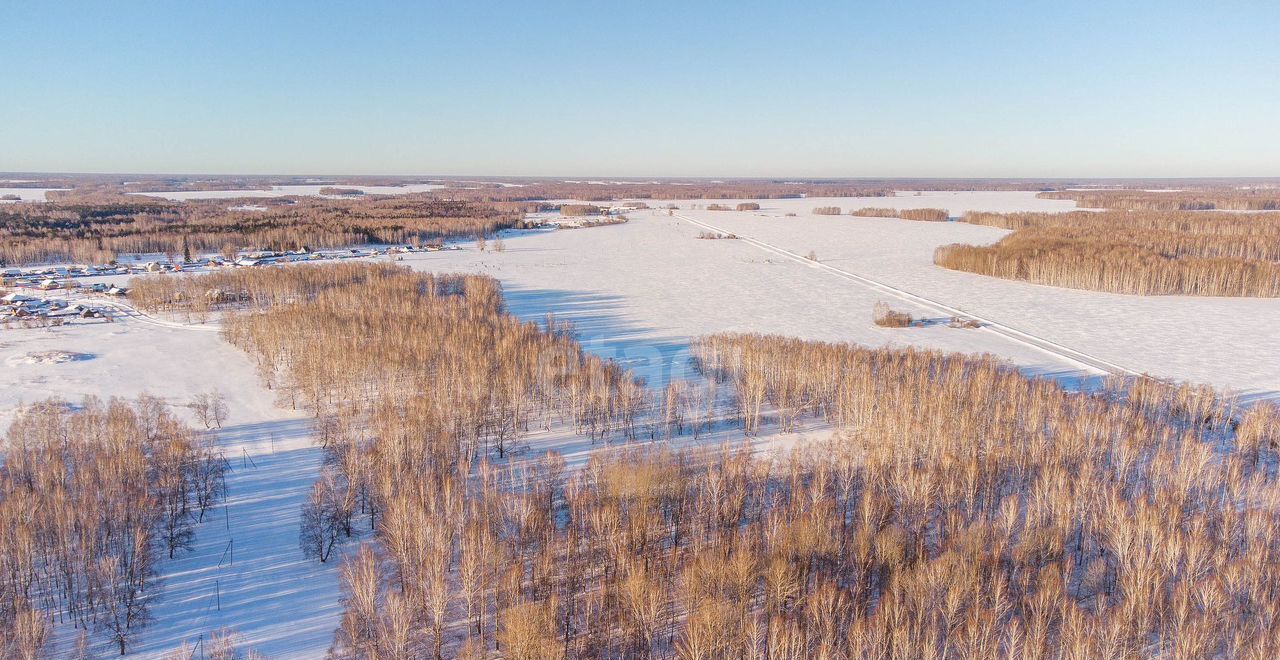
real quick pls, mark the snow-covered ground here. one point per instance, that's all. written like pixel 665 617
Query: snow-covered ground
pixel 282 191
pixel 25 194
pixel 284 605
pixel 641 290
pixel 1231 343
pixel 638 292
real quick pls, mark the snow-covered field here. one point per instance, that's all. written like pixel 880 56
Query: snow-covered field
pixel 638 292
pixel 282 191
pixel 25 194
pixel 1231 343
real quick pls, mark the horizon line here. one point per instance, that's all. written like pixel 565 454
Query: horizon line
pixel 645 178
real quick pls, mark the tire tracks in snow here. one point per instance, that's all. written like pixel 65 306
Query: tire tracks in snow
pixel 1071 355
pixel 133 313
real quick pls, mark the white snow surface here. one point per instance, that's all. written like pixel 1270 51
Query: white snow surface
pixel 26 194
pixel 638 292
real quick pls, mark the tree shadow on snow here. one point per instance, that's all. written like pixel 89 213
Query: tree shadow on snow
pixel 603 332
pixel 245 570
pixel 1071 379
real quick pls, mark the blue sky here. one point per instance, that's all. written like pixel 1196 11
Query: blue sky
pixel 898 89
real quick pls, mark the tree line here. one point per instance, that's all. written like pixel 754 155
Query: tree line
pixel 928 214
pixel 1137 252
pixel 101 231
pixel 1238 199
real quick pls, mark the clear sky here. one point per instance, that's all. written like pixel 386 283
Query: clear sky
pixel 643 88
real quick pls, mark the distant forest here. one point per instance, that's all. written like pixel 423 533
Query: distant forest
pixel 99 232
pixel 1145 252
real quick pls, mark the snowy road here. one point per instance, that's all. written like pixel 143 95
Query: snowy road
pixel 130 312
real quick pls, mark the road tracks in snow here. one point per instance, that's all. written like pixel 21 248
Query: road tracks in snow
pixel 133 313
